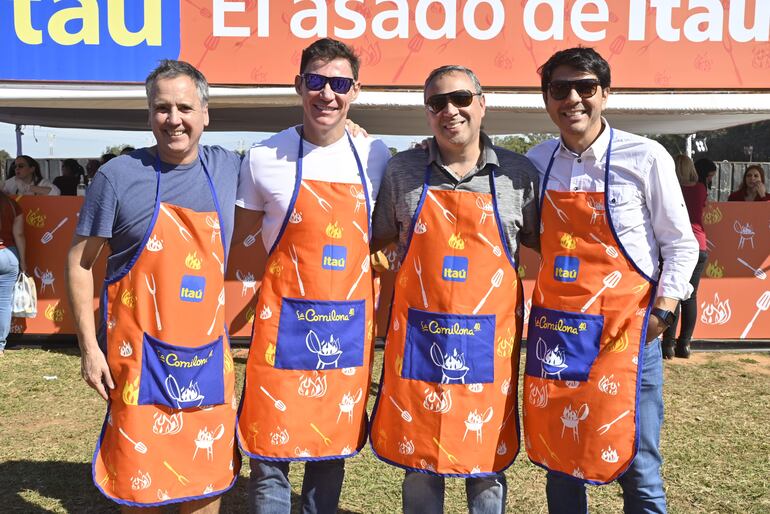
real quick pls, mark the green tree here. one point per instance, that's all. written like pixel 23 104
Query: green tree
pixel 520 143
pixel 4 157
pixel 115 150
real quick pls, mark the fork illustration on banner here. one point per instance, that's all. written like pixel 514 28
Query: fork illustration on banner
pixel 763 304
pixel 182 231
pixel 758 272
pixel 295 260
pixel 48 236
pixel 152 289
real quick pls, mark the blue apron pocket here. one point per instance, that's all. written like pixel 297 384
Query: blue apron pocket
pixel 449 348
pixel 315 334
pixel 562 345
pixel 182 377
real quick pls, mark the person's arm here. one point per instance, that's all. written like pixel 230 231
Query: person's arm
pixel 80 287
pixel 673 232
pixel 530 227
pixel 384 223
pixel 20 241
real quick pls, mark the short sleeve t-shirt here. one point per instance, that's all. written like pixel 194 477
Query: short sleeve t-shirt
pixel 268 173
pixel 120 200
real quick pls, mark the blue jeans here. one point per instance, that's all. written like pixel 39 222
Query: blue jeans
pixel 270 490
pixel 424 494
pixel 9 270
pixel 641 483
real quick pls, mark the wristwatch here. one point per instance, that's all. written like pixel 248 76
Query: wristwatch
pixel 666 317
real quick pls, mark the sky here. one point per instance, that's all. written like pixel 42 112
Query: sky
pixel 45 142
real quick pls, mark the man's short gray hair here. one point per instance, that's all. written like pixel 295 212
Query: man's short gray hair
pixel 453 68
pixel 169 69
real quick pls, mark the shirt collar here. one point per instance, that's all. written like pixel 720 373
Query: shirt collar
pixel 488 154
pixel 597 150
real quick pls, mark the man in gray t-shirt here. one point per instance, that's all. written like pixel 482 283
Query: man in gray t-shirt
pixel 179 188
pixel 459 158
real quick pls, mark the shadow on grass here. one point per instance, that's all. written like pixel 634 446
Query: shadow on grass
pixel 39 487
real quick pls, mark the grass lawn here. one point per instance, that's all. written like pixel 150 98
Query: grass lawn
pixel 716 443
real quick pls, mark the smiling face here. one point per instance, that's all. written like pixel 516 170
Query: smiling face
pixel 579 119
pixel 324 111
pixel 455 128
pixel 177 119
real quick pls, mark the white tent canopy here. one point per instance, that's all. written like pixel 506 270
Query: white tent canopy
pixel 268 109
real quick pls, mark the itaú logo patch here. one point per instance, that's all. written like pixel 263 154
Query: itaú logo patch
pixel 334 257
pixel 192 288
pixel 565 269
pixel 455 269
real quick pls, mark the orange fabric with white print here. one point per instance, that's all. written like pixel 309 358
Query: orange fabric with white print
pixel 309 366
pixel 448 397
pixel 583 426
pixel 166 439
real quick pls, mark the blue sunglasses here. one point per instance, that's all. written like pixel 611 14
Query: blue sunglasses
pixel 316 82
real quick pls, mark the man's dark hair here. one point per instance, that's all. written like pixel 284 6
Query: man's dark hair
pixel 170 69
pixel 580 58
pixel 326 50
pixel 452 68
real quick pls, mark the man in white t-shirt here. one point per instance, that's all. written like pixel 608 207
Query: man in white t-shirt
pixel 284 179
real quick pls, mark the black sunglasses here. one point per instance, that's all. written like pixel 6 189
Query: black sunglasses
pixel 316 82
pixel 561 89
pixel 459 98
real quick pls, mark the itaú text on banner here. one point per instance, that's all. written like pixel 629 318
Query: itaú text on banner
pixel 650 43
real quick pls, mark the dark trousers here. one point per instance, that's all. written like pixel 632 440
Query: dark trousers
pixel 688 308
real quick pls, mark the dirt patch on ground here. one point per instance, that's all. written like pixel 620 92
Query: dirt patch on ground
pixel 753 362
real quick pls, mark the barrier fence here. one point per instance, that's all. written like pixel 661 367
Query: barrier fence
pixel 733 298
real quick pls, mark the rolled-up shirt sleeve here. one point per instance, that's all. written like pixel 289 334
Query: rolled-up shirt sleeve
pixel 671 227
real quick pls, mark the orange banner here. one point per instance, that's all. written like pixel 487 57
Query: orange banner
pixel 659 45
pixel 733 297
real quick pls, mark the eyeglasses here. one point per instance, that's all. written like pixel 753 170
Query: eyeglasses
pixel 459 98
pixel 316 82
pixel 561 89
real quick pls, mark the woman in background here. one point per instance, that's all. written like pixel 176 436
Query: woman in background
pixel 12 249
pixel 695 194
pixel 752 186
pixel 71 171
pixel 28 180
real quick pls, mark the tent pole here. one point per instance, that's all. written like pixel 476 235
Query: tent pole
pixel 19 133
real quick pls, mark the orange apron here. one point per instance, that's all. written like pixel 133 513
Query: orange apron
pixel 448 398
pixel 168 435
pixel 585 344
pixel 309 366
